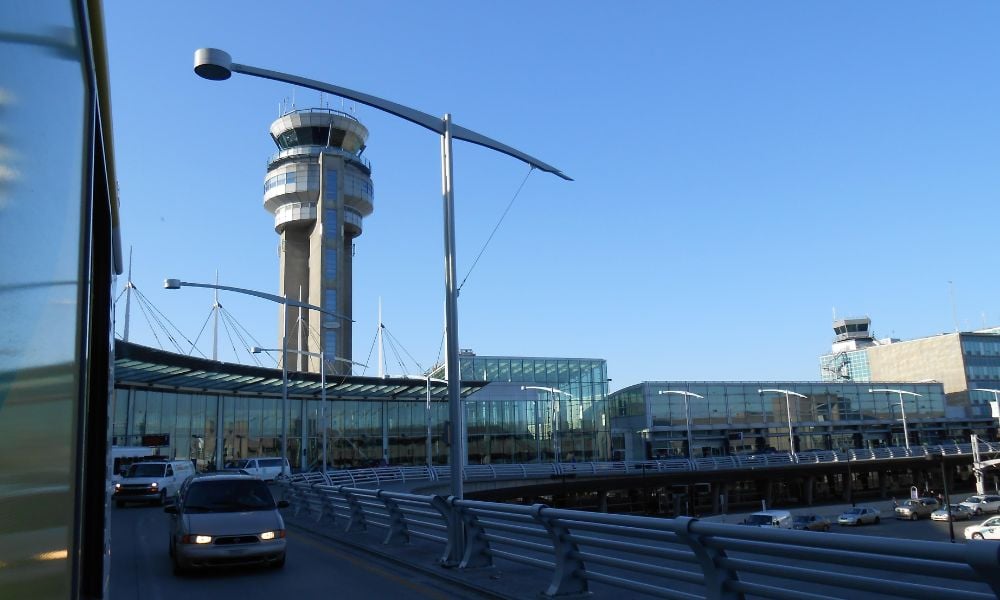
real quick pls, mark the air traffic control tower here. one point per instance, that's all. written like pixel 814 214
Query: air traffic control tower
pixel 319 188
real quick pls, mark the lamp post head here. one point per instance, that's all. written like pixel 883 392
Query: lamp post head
pixel 172 284
pixel 256 350
pixel 213 64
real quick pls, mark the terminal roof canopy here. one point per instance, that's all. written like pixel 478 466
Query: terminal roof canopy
pixel 148 367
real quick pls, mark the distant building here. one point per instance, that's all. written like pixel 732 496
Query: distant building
pixel 733 417
pixel 962 362
pixel 536 409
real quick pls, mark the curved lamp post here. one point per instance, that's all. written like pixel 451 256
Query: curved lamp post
pixel 176 284
pixel 788 409
pixel 218 65
pixel 322 382
pixel 902 410
pixel 555 420
pixel 687 414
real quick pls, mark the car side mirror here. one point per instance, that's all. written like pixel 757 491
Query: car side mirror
pixel 283 504
pixel 171 509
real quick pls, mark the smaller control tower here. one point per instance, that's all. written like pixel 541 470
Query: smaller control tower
pixel 319 188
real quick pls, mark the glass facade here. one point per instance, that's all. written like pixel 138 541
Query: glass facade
pixel 851 365
pixel 734 417
pixel 536 409
pixel 981 354
pixel 188 424
pixel 532 409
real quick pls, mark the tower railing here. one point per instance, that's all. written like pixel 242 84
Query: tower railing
pixel 332 111
pixel 314 150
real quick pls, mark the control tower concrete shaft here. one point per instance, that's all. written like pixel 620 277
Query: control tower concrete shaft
pixel 319 188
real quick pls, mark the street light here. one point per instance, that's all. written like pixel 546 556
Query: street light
pixel 788 408
pixel 687 414
pixel 176 284
pixel 555 411
pixel 947 498
pixel 218 65
pixel 322 383
pixel 902 409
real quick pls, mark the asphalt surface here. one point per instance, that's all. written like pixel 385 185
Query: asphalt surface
pixel 323 560
pixel 315 568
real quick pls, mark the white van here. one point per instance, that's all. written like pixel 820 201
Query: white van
pixel 123 456
pixel 267 469
pixel 152 481
pixel 770 518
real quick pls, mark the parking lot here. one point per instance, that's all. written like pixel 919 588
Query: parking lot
pixel 888 526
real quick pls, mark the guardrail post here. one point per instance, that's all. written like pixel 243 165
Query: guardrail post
pixel 297 499
pixel 567 577
pixel 356 521
pixel 441 505
pixel 477 548
pixel 716 578
pixel 327 512
pixel 397 522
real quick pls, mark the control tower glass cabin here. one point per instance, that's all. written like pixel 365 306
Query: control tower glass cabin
pixel 319 189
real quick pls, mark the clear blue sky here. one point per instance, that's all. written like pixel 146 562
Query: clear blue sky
pixel 742 169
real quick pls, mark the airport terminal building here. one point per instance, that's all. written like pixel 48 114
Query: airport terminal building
pixel 517 409
pixel 661 419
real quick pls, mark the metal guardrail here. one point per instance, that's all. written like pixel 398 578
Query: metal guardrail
pixel 377 477
pixel 682 558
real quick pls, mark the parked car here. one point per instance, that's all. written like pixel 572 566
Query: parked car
pixel 859 515
pixel 914 509
pixel 152 481
pixel 226 519
pixel 987 530
pixel 770 518
pixel 811 522
pixel 982 504
pixel 959 512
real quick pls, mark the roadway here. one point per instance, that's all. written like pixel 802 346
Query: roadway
pixel 141 569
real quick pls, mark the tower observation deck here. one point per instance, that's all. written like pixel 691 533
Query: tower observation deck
pixel 319 189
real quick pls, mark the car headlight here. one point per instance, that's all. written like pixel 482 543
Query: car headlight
pixel 154 484
pixel 118 486
pixel 196 539
pixel 270 535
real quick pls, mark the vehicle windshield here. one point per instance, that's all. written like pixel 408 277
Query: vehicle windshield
pixel 909 503
pixel 803 518
pixel 854 511
pixel 759 520
pixel 234 495
pixel 237 464
pixel 145 470
pixel 975 499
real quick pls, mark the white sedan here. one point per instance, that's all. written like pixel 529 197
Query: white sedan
pixel 859 516
pixel 987 530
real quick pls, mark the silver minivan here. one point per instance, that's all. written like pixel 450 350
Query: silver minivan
pixel 226 519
